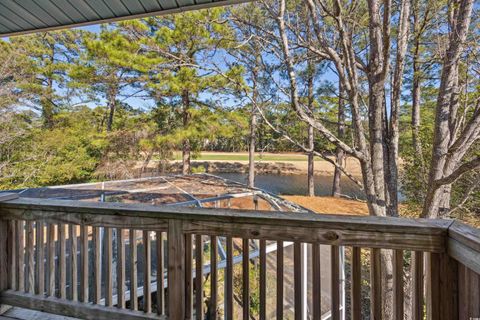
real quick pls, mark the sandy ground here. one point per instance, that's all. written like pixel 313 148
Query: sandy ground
pixel 331 205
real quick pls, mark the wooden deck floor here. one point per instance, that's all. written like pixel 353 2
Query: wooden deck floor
pixel 25 314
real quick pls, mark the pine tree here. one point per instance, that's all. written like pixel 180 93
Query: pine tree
pixel 50 55
pixel 180 51
pixel 106 70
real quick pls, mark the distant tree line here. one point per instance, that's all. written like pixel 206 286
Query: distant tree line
pixel 79 105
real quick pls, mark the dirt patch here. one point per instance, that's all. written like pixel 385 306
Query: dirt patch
pixel 331 205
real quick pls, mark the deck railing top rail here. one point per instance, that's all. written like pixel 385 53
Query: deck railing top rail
pixel 376 232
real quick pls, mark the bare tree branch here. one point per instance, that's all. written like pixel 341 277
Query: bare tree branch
pixel 461 170
pixel 301 112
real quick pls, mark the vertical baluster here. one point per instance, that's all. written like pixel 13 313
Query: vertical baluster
pixel 120 269
pixel 40 257
pixel 51 260
pixel 298 281
pixel 108 269
pixel 20 255
pixel 463 292
pixel 73 262
pixel 472 302
pixel 133 270
pixel 4 253
pixel 84 260
pixel 12 257
pixel 176 270
pixel 417 285
pixel 375 284
pixel 263 279
pixel 30 283
pixel 147 292
pixel 199 277
pixel 213 277
pixel 246 278
pixel 160 275
pixel 279 280
pixel 398 284
pixel 97 266
pixel 335 261
pixel 188 277
pixel 62 262
pixel 356 301
pixel 432 274
pixel 229 280
pixel 317 285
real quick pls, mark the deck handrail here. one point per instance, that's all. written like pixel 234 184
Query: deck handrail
pixel 450 249
pixel 333 229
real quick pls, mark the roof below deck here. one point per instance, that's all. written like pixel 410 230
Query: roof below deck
pixel 196 190
pixel 28 16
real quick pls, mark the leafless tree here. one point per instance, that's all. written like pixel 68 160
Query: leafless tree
pixel 377 147
pixel 455 132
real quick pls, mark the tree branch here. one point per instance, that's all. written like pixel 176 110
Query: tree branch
pixel 301 112
pixel 305 149
pixel 461 170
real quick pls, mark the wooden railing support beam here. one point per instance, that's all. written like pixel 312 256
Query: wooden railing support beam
pixel 464 247
pixel 5 240
pixel 176 270
pixel 442 287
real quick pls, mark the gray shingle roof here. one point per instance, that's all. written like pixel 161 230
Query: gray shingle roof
pixel 27 16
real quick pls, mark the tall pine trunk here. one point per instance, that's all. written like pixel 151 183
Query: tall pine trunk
pixel 253 124
pixel 111 110
pixel 311 137
pixel 378 69
pixel 311 164
pixel 251 147
pixel 186 148
pixel 339 153
pixel 111 102
pixel 416 96
pixel 111 113
pixel 47 99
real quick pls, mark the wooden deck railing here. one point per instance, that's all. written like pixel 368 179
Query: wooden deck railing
pixel 112 261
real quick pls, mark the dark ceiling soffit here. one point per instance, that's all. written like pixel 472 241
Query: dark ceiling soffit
pixel 217 3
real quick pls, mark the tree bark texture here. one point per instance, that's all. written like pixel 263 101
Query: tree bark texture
pixel 444 161
pixel 186 148
pixel 339 154
pixel 253 125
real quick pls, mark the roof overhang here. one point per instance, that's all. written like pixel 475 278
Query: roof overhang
pixel 19 17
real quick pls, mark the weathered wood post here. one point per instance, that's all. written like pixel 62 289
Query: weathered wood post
pixel 6 239
pixel 468 293
pixel 442 287
pixel 464 247
pixel 176 270
pixel 3 256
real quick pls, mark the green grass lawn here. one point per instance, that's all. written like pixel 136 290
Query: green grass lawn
pixel 244 157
